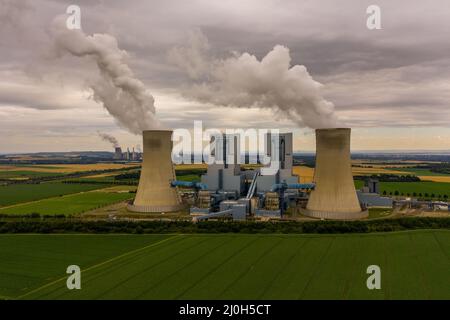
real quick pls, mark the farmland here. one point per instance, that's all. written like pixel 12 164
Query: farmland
pixel 69 204
pixel 68 168
pixel 18 193
pixel 418 187
pixel 227 266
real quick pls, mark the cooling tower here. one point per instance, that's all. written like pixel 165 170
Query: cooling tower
pixel 154 192
pixel 334 196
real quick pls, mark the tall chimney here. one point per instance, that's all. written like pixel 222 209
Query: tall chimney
pixel 334 196
pixel 154 192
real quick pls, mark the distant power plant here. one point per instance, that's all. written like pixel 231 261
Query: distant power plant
pixel 128 155
pixel 227 190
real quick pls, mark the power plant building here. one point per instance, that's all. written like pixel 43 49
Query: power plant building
pixel 225 172
pixel 226 191
pixel 279 147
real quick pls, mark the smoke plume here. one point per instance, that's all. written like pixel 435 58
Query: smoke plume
pixel 109 138
pixel 243 81
pixel 121 93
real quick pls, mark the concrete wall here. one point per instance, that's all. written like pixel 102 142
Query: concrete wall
pixel 154 192
pixel 334 196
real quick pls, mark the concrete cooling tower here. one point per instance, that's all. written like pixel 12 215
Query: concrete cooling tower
pixel 154 192
pixel 334 196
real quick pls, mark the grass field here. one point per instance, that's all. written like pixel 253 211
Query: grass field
pixel 438 188
pixel 418 187
pixel 414 265
pixel 19 193
pixel 69 204
pixel 25 175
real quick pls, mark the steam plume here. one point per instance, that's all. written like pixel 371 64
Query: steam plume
pixel 109 138
pixel 244 81
pixel 121 93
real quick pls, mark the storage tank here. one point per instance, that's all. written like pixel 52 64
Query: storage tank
pixel 334 195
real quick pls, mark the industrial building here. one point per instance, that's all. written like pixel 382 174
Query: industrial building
pixel 127 155
pixel 369 195
pixel 229 191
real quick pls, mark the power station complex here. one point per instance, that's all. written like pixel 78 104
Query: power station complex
pixel 226 190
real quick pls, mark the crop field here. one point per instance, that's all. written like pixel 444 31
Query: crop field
pixel 69 204
pixel 436 188
pixel 418 187
pixel 306 174
pixel 19 193
pixel 423 172
pixel 414 265
pixel 67 168
pixel 25 175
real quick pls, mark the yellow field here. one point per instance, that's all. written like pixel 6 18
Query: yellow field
pixel 379 170
pixel 191 166
pixel 306 174
pixel 67 168
pixel 435 178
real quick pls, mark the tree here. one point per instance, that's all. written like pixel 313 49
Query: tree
pixel 396 193
pixel 384 192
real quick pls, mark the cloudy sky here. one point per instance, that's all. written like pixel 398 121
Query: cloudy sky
pixel 392 86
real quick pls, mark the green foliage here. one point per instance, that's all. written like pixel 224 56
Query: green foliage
pixel 160 226
pixel 383 177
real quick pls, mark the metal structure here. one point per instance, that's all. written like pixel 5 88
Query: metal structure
pixel 155 193
pixel 279 148
pixel 334 195
pixel 225 172
pixel 118 153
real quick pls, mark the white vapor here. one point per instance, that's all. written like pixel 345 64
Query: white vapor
pixel 109 138
pixel 121 93
pixel 244 81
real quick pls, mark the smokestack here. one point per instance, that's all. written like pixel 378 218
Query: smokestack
pixel 118 153
pixel 334 196
pixel 154 192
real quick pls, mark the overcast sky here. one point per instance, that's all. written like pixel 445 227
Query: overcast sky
pixel 392 86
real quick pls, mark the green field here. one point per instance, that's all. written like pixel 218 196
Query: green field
pixel 418 187
pixel 420 171
pixel 414 265
pixel 18 193
pixel 70 204
pixel 438 188
pixel 23 174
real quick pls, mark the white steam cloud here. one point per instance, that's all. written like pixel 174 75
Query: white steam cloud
pixel 244 81
pixel 121 93
pixel 109 138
